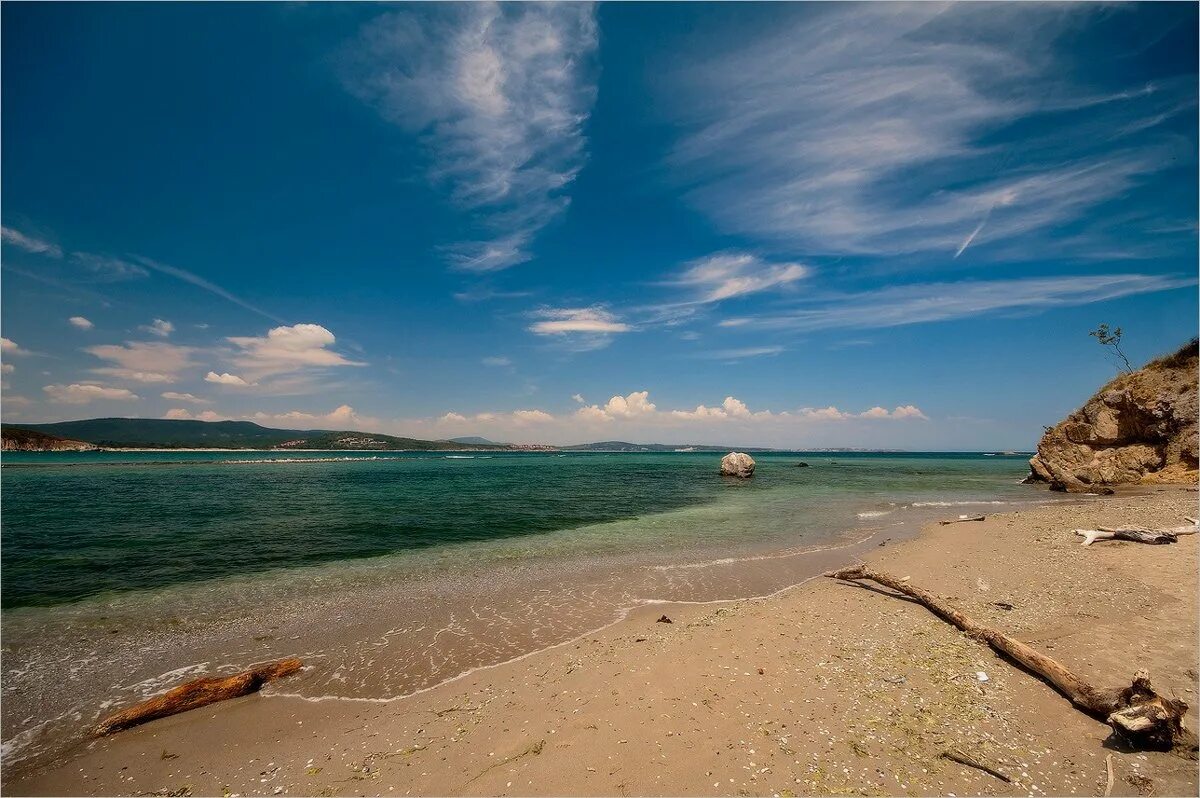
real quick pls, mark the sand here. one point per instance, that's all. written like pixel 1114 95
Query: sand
pixel 825 688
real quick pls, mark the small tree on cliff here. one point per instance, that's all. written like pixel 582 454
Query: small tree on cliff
pixel 1112 340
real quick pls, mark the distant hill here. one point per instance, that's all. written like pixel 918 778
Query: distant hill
pixel 156 433
pixel 475 440
pixel 16 439
pixel 625 446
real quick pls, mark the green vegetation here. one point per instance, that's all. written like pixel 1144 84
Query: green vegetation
pixel 151 433
pixel 1112 340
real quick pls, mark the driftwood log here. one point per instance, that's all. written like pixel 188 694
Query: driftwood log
pixel 1137 713
pixel 1138 534
pixel 960 519
pixel 195 694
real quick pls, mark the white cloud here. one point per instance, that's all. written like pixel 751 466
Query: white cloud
pixel 531 416
pixel 452 418
pixel 107 268
pixel 200 282
pixel 160 327
pixel 30 243
pixel 287 349
pixel 83 393
pixel 577 397
pixel 930 302
pixel 182 413
pixel 10 347
pixel 502 93
pixel 872 129
pixel 728 275
pixel 635 405
pixel 496 361
pixel 342 417
pixel 176 396
pixel 144 361
pixel 80 322
pixel 225 378
pixel 585 328
pixel 739 354
pixel 7 368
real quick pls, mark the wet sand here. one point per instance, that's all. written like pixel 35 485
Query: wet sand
pixel 824 688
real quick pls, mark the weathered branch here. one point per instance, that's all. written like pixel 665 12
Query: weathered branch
pixel 1138 534
pixel 960 519
pixel 1145 718
pixel 195 694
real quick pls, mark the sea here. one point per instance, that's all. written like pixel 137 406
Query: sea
pixel 388 573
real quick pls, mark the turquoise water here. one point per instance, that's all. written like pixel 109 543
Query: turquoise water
pixel 80 524
pixel 125 573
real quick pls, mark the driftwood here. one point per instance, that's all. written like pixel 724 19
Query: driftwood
pixel 960 519
pixel 1137 713
pixel 1138 534
pixel 954 755
pixel 195 694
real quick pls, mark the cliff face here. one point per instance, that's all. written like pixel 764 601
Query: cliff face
pixel 26 440
pixel 1141 427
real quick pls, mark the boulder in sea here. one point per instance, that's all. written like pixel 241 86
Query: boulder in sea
pixel 737 464
pixel 1140 427
pixel 802 464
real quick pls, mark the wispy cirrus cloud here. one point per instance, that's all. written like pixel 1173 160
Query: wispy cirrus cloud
pixel 899 305
pixel 885 129
pixel 30 243
pixel 500 94
pixel 733 274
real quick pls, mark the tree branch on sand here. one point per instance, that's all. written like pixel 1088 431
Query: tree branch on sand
pixel 1138 534
pixel 1137 713
pixel 195 694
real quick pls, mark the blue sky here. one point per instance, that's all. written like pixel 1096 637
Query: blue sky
pixel 787 225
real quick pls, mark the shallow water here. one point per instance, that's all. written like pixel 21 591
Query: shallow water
pixel 391 573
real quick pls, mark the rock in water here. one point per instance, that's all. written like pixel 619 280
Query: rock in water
pixel 1141 427
pixel 737 464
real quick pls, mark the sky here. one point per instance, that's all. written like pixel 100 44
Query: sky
pixel 786 225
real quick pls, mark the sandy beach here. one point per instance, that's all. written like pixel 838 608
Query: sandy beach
pixel 824 688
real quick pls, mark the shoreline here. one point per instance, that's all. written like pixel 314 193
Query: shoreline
pixel 361 763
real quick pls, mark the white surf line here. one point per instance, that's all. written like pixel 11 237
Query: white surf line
pixel 623 615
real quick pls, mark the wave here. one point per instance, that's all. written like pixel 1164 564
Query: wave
pixel 875 513
pixel 957 504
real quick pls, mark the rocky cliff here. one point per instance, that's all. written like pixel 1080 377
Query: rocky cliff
pixel 27 440
pixel 1141 427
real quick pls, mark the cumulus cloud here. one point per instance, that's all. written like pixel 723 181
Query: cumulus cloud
pixel 287 349
pixel 182 413
pixel 160 327
pixel 342 417
pixel 176 396
pixel 10 347
pixel 225 378
pixel 80 322
pixel 636 404
pixel 84 393
pixel 30 243
pixel 501 93
pixel 7 368
pixel 577 397
pixel 149 362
